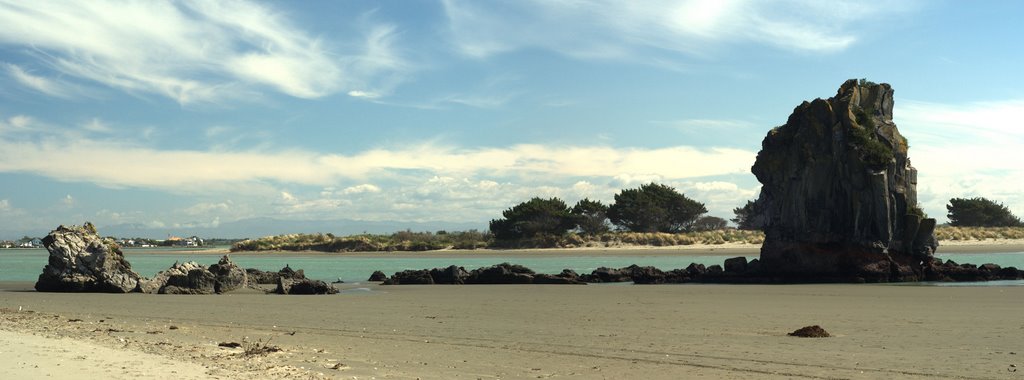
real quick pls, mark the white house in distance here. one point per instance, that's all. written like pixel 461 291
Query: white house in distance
pixel 185 242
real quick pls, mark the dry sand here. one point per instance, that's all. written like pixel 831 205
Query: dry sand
pixel 537 331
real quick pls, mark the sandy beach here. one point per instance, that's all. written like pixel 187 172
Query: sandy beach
pixel 491 332
pixel 532 331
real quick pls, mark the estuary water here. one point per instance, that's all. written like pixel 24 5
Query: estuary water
pixel 27 264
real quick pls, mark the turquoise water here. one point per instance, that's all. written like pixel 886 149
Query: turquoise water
pixel 25 265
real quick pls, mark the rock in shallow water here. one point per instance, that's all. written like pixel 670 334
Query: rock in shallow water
pixel 80 261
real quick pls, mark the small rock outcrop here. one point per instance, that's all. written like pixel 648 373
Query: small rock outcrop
pixel 303 287
pixel 839 196
pixel 256 276
pixel 81 261
pixel 193 278
pixel 182 278
pixel 229 276
pixel 503 273
pixel 377 276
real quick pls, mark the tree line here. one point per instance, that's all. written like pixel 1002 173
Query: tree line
pixel 961 212
pixel 660 208
pixel 649 208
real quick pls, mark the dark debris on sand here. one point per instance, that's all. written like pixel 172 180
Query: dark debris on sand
pixel 810 332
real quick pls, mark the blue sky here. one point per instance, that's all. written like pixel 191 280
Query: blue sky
pixel 191 114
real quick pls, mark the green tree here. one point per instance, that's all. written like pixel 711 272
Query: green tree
pixel 591 216
pixel 747 217
pixel 533 217
pixel 654 208
pixel 709 223
pixel 980 212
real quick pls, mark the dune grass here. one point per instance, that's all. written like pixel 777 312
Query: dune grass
pixel 398 241
pixel 951 233
pixel 473 239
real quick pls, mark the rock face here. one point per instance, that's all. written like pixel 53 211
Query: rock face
pixel 839 196
pixel 80 261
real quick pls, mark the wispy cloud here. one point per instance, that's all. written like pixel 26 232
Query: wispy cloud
pixel 98 126
pixel 190 51
pixel 965 150
pixel 614 29
pixel 16 124
pixel 51 87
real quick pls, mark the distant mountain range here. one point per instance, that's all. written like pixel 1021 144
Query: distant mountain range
pixel 258 227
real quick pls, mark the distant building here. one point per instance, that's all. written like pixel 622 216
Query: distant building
pixel 193 241
pixel 34 243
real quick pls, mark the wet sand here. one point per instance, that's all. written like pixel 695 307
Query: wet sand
pixel 538 331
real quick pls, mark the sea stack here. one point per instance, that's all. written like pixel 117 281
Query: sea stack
pixel 81 261
pixel 839 196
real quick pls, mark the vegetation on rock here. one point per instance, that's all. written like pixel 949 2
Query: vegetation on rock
pixel 875 154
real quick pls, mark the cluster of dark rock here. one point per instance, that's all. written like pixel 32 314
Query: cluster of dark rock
pixel 257 276
pixel 503 273
pixel 736 270
pixel 81 261
pixel 193 278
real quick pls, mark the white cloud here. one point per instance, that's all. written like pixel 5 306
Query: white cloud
pixel 191 51
pixel 364 188
pixel 287 197
pixel 20 121
pixel 363 94
pixel 127 164
pixel 965 150
pixel 616 29
pixel 68 201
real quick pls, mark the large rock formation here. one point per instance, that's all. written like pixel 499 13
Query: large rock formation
pixel 80 261
pixel 839 199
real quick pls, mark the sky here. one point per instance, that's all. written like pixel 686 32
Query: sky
pixel 175 115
